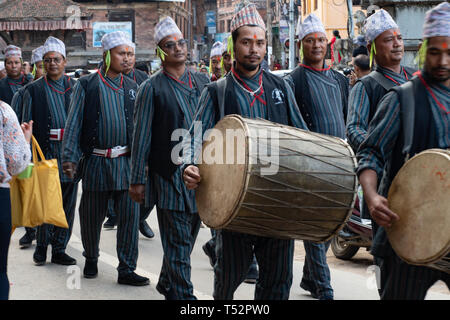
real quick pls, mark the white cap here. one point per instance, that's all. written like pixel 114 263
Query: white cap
pixel 55 45
pixel 437 21
pixel 311 24
pixel 115 39
pixel 378 23
pixel 37 54
pixel 216 49
pixel 12 51
pixel 166 27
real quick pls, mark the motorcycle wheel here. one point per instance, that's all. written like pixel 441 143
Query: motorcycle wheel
pixel 341 250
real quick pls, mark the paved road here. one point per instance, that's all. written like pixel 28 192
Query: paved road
pixel 350 279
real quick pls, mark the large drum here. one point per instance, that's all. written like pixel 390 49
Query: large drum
pixel 276 181
pixel 420 195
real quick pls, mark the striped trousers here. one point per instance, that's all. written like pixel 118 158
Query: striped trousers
pixel 403 281
pixel 235 252
pixel 178 231
pixel 93 208
pixel 56 236
pixel 315 269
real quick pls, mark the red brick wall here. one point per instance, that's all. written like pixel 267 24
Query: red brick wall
pixel 145 20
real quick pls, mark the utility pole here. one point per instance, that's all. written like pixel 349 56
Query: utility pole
pixel 269 31
pixel 291 35
pixel 350 26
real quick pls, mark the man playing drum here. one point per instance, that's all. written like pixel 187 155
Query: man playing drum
pixel 253 93
pixel 386 145
pixel 321 95
pixel 386 45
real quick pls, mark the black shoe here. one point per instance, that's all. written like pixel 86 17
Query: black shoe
pixel 145 229
pixel 252 274
pixel 307 285
pixel 40 255
pixel 90 270
pixel 209 251
pixel 168 294
pixel 63 259
pixel 133 279
pixel 110 223
pixel 27 239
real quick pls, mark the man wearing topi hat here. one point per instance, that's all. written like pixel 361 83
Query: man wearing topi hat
pixel 101 124
pixel 321 94
pixel 46 102
pixel 385 42
pixel 167 102
pixel 254 93
pixel 425 102
pixel 15 79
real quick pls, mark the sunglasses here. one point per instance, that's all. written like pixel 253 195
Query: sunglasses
pixel 57 60
pixel 170 45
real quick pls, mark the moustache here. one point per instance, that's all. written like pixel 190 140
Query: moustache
pixel 441 69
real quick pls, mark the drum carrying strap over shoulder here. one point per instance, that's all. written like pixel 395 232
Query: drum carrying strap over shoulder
pixel 407 103
pixel 221 87
pixel 381 80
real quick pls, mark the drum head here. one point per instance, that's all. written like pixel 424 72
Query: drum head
pixel 223 183
pixel 420 195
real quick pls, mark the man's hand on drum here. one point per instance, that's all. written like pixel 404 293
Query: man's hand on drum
pixel 191 177
pixel 378 205
pixel 380 212
pixel 137 192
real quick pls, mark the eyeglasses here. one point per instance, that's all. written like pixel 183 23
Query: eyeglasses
pixel 170 45
pixel 57 60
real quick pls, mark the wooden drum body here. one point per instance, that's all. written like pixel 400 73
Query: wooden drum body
pixel 420 195
pixel 308 194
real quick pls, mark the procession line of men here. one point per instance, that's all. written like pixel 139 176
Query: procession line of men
pixel 121 147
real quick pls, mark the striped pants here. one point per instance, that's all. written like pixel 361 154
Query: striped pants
pixel 56 236
pixel 235 252
pixel 315 269
pixel 178 231
pixel 93 208
pixel 403 281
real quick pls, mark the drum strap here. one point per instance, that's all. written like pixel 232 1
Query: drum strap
pixel 381 80
pixel 407 103
pixel 221 88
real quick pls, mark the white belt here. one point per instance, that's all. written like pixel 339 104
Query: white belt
pixel 56 134
pixel 112 152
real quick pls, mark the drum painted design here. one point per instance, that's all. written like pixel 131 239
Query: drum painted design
pixel 308 196
pixel 420 195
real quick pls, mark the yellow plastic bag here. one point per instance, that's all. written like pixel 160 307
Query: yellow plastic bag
pixel 38 199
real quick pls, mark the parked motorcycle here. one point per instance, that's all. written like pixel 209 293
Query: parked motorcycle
pixel 356 233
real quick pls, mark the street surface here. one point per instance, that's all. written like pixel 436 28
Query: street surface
pixel 351 280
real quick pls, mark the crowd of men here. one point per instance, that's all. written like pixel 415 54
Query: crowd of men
pixel 120 146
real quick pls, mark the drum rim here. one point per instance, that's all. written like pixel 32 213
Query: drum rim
pixel 246 175
pixel 446 249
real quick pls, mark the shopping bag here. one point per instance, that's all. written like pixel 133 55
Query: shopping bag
pixel 38 199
